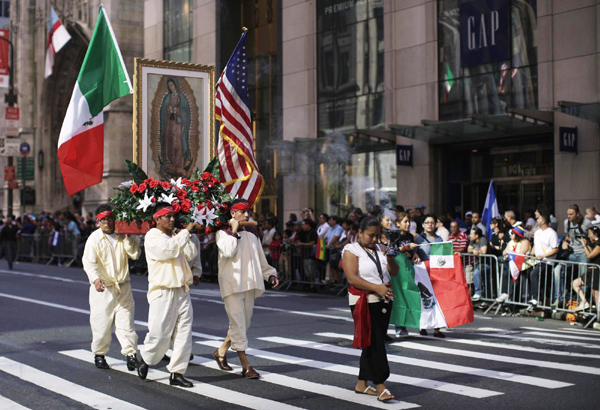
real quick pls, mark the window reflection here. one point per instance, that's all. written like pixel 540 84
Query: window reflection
pixel 177 30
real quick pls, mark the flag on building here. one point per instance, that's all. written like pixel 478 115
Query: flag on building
pixel 515 263
pixel 433 293
pixel 102 79
pixel 448 82
pixel 320 249
pixel 58 36
pixel 490 209
pixel 237 167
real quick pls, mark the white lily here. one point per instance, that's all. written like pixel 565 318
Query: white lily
pixel 198 216
pixel 146 202
pixel 210 215
pixel 126 184
pixel 177 183
pixel 168 199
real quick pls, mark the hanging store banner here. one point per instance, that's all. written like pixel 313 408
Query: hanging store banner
pixel 404 155
pixel 484 32
pixel 567 139
pixel 4 59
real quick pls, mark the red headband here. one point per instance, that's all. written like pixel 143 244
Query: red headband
pixel 242 206
pixel 165 211
pixel 103 214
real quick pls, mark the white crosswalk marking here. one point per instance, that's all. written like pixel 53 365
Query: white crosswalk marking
pixel 504 376
pixel 552 342
pixel 394 378
pixel 6 404
pixel 319 388
pixel 208 390
pixel 64 387
pixel 580 332
pixel 567 336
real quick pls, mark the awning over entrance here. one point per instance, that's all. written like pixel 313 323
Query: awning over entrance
pixel 588 111
pixel 479 127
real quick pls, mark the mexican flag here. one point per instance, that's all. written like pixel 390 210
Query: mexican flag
pixel 102 79
pixel 433 293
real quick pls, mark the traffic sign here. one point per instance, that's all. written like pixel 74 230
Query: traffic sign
pixel 12 121
pixel 25 149
pixel 9 173
pixel 9 147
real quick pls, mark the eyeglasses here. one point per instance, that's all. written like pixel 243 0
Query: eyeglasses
pixel 428 223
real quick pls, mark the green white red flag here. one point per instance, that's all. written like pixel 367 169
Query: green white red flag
pixel 102 79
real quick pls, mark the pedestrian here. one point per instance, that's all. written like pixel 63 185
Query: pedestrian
pixel 106 263
pixel 243 268
pixel 8 236
pixel 275 248
pixel 307 240
pixel 370 296
pixel 171 313
pixel 592 276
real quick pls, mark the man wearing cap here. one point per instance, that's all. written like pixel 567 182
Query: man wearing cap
pixel 242 269
pixel 171 314
pixel 105 261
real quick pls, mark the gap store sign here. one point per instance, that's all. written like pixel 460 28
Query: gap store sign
pixel 484 32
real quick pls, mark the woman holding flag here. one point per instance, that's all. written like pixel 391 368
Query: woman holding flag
pixel 368 271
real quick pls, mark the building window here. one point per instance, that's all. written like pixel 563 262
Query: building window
pixel 350 61
pixel 177 38
pixel 494 87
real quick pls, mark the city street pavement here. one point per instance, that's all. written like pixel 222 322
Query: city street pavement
pixel 300 343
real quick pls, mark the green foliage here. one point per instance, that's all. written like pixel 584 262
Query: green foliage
pixel 137 174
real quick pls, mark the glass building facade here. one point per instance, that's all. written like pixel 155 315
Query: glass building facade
pixel 178 29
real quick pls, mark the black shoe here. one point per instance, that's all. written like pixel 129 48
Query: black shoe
pixel 191 357
pixel 177 379
pixel 101 362
pixel 142 369
pixel 440 335
pixel 131 362
pixel 423 332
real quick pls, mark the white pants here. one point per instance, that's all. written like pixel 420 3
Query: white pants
pixel 239 307
pixel 169 323
pixel 110 307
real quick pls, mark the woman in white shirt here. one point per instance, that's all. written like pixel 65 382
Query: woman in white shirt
pixel 368 272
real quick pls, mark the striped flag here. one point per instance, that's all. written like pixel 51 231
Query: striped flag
pixel 490 210
pixel 515 262
pixel 58 36
pixel 102 79
pixel 320 250
pixel 237 166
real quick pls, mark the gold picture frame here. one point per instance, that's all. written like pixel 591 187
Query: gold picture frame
pixel 173 117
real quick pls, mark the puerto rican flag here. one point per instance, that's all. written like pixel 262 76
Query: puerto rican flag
pixel 515 262
pixel 58 36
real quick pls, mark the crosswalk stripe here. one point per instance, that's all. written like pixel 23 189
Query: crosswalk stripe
pixel 581 331
pixel 338 368
pixel 569 331
pixel 554 342
pixel 204 389
pixel 318 388
pixel 499 358
pixel 504 376
pixel 64 387
pixel 564 336
pixel 7 404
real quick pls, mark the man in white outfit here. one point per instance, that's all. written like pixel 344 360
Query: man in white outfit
pixel 171 314
pixel 105 261
pixel 242 269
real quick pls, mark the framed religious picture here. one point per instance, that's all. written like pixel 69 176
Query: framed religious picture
pixel 173 117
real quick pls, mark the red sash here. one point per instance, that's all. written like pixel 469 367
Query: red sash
pixel 362 318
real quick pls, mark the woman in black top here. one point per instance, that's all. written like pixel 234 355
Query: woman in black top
pixel 591 278
pixel 497 241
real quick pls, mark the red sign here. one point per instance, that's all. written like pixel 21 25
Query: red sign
pixel 4 58
pixel 12 113
pixel 13 185
pixel 10 174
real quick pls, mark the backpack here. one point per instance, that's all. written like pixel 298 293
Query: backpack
pixel 572 317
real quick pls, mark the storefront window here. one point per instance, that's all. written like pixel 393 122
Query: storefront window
pixel 350 65
pixel 493 87
pixel 177 36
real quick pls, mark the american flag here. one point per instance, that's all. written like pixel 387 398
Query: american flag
pixel 237 166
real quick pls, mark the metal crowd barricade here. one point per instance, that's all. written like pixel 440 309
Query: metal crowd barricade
pixel 65 250
pixel 481 272
pixel 548 282
pixel 37 248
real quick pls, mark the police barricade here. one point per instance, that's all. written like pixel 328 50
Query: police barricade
pixel 38 248
pixel 549 285
pixel 482 274
pixel 64 250
pixel 298 266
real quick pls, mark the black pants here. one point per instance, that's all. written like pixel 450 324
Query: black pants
pixel 373 360
pixel 9 248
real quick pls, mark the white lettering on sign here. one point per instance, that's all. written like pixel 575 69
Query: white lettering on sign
pixel 342 6
pixel 569 139
pixel 481 41
pixel 404 155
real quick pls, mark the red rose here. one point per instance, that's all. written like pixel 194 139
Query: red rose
pixel 208 230
pixel 153 200
pixel 210 184
pixel 219 223
pixel 195 188
pixel 181 194
pixel 176 207
pixel 187 182
pixel 133 188
pixel 154 183
pixel 142 187
pixel 214 180
pixel 147 180
pixel 205 188
pixel 186 205
pixel 205 176
pixel 165 185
